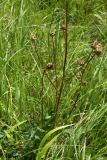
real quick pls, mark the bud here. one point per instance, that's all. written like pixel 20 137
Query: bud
pixel 85 82
pixel 94 44
pixel 49 66
pixel 81 63
pixel 33 37
pixel 98 50
pixel 97 47
pixel 63 27
pixel 52 32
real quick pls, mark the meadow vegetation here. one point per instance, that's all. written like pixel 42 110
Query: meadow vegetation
pixel 53 102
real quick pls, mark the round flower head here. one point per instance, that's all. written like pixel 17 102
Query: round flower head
pixel 81 63
pixel 49 66
pixel 94 44
pixel 52 32
pixel 33 37
pixel 85 82
pixel 63 27
pixel 97 47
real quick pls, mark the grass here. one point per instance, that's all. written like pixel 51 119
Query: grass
pixel 53 89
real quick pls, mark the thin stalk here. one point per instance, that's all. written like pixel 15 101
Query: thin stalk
pixel 66 41
pixel 78 95
pixel 42 89
pixel 42 101
pixel 72 75
pixel 51 82
pixel 38 54
pixel 65 60
pixel 89 59
pixel 55 69
pixel 40 61
pixel 11 103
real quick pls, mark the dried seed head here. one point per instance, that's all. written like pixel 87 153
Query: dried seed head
pixel 85 82
pixel 49 65
pixel 63 27
pixel 94 44
pixel 81 63
pixel 33 37
pixel 52 32
pixel 97 47
pixel 98 50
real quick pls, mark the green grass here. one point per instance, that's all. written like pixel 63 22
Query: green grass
pixel 30 127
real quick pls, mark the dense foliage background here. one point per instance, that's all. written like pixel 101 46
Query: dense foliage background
pixel 28 97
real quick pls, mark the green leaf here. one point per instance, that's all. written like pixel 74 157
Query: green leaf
pixel 45 148
pixel 49 134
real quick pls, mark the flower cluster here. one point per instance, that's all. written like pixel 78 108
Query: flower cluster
pixel 97 47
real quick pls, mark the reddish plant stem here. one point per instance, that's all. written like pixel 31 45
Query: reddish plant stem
pixel 44 73
pixel 88 58
pixel 72 75
pixel 77 97
pixel 88 61
pixel 51 82
pixel 42 101
pixel 65 60
pixel 80 68
pixel 38 54
pixel 81 82
pixel 55 69
pixel 42 66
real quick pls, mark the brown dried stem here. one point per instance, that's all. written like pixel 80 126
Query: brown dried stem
pixel 40 61
pixel 65 60
pixel 89 59
pixel 42 96
pixel 55 69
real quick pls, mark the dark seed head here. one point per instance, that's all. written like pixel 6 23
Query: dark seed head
pixel 85 82
pixel 94 44
pixel 49 66
pixel 97 47
pixel 81 63
pixel 98 50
